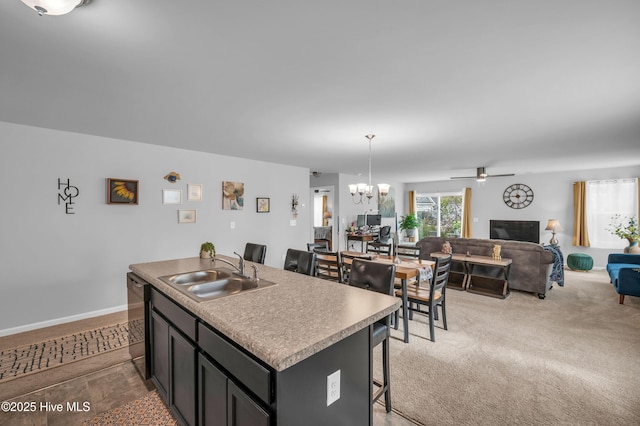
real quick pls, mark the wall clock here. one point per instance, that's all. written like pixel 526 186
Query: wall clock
pixel 517 196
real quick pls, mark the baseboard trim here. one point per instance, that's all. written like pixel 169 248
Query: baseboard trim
pixel 57 321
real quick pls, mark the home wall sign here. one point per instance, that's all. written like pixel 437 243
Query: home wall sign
pixel 66 194
pixel 518 196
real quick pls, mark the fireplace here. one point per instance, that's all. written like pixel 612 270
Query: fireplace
pixel 517 230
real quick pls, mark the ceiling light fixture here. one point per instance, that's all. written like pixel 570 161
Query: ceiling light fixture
pixel 364 190
pixel 54 7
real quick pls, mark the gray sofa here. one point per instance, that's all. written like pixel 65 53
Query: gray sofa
pixel 531 265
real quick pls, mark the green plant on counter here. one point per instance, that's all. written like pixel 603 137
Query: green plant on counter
pixel 208 248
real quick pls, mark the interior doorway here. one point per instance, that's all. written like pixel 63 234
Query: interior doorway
pixel 323 215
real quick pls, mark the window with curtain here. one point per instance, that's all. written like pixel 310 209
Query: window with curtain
pixel 605 199
pixel 440 215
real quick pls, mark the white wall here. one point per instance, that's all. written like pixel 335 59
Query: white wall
pixel 553 199
pixel 57 266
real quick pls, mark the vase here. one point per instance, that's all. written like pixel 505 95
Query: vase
pixel 633 247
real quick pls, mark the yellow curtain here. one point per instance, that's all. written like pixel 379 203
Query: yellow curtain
pixel 580 234
pixel 325 221
pixel 412 202
pixel 466 215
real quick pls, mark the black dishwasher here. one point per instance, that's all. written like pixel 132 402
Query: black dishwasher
pixel 138 306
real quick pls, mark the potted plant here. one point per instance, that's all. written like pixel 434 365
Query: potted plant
pixel 628 229
pixel 207 250
pixel 409 224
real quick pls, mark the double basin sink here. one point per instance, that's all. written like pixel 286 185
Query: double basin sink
pixel 212 283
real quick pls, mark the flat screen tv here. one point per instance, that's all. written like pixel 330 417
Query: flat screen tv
pixel 374 219
pixel 517 230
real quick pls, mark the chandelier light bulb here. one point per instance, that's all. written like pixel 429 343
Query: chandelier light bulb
pixel 54 7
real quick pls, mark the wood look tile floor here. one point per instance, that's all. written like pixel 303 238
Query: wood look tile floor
pixel 111 388
pixel 99 390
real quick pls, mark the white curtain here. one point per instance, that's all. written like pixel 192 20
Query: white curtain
pixel 605 199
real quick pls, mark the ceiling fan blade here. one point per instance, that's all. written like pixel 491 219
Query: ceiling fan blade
pixel 506 174
pixel 481 175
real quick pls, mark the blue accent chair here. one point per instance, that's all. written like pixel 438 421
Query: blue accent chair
pixel 624 271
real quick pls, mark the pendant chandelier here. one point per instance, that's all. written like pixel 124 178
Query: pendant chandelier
pixel 54 7
pixel 361 191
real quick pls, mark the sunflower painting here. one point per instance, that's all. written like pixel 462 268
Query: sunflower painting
pixel 232 195
pixel 122 191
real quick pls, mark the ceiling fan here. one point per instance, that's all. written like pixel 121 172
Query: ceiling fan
pixel 481 175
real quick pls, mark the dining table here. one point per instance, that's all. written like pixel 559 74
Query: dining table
pixel 406 269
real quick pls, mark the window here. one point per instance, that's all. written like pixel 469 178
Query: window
pixel 604 199
pixel 440 215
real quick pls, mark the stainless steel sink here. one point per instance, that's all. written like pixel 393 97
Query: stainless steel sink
pixel 197 277
pixel 212 283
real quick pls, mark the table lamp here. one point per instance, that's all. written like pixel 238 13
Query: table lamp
pixel 553 225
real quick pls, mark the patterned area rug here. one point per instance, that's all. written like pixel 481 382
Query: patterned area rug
pixel 22 360
pixel 148 410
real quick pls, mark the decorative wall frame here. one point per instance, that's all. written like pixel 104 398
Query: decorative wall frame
pixel 263 205
pixel 122 191
pixel 232 195
pixel 186 216
pixel 194 192
pixel 171 196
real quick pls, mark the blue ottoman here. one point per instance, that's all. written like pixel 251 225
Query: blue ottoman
pixel 579 262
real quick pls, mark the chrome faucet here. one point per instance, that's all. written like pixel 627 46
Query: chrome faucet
pixel 239 267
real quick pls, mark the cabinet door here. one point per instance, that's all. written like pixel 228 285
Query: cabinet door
pixel 212 394
pixel 182 390
pixel 242 410
pixel 159 337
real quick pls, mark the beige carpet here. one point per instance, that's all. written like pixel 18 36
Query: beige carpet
pixel 571 359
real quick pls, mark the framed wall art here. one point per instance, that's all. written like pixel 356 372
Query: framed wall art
pixel 194 192
pixel 232 195
pixel 186 216
pixel 122 191
pixel 171 196
pixel 262 205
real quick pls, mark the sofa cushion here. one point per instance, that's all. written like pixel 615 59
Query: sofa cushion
pixel 614 269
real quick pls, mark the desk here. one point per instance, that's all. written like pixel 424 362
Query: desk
pixel 406 270
pixel 363 238
pixel 481 284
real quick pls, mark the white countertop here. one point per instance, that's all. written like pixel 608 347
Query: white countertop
pixel 281 324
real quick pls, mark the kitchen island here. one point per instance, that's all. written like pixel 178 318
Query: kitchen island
pixel 273 346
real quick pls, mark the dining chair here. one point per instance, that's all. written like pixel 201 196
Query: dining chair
pixel 384 236
pixel 409 250
pixel 300 261
pixel 377 277
pixel 327 265
pixel 324 245
pixel 346 260
pixel 380 248
pixel 255 252
pixel 425 299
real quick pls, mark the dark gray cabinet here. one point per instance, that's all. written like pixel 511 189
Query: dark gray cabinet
pixel 223 403
pixel 208 379
pixel 198 392
pixel 173 357
pixel 159 337
pixel 182 377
